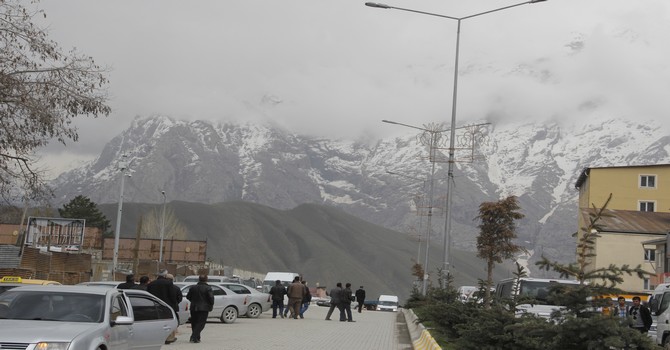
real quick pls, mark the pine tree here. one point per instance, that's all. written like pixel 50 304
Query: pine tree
pixel 81 207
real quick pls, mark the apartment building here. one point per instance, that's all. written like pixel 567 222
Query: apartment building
pixel 638 218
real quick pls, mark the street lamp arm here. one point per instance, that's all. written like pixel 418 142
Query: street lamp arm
pixel 384 6
pixel 502 8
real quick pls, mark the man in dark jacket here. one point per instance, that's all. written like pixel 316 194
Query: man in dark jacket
pixel 129 283
pixel 640 315
pixel 164 290
pixel 305 300
pixel 345 303
pixel 144 282
pixel 360 297
pixel 201 297
pixel 334 299
pixel 277 291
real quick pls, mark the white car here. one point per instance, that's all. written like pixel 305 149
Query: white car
pixel 259 302
pixel 227 304
pixel 82 318
pixel 184 305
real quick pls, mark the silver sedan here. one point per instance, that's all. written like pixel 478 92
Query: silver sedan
pixel 259 302
pixel 82 318
pixel 227 304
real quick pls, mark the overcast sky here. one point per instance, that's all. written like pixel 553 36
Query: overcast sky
pixel 336 68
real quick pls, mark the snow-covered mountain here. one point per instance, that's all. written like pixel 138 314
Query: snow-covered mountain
pixel 538 162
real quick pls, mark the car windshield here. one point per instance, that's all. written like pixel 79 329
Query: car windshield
pixel 52 306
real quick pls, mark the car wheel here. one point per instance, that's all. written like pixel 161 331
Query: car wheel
pixel 254 311
pixel 229 315
pixel 666 343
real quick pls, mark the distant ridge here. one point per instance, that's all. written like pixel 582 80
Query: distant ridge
pixel 323 243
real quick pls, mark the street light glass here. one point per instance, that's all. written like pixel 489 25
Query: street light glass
pixel 381 6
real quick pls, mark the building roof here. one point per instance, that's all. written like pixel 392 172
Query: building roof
pixel 585 172
pixel 631 221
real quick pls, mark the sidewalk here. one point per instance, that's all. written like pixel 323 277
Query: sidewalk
pixel 372 330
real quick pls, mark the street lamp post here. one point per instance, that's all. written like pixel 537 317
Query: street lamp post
pixel 433 143
pixel 447 226
pixel 418 254
pixel 160 254
pixel 123 166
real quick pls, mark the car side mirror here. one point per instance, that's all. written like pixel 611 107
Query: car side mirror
pixel 123 320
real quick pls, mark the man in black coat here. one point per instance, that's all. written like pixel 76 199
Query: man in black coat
pixel 278 291
pixel 360 297
pixel 202 302
pixel 640 315
pixel 129 283
pixel 164 290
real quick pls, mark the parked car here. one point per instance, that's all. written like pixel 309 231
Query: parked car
pixel 83 318
pixel 325 301
pixel 227 304
pixel 184 305
pixel 210 279
pixel 259 302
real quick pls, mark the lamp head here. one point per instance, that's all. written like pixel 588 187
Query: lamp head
pixel 383 6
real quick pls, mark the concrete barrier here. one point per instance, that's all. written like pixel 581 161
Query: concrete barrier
pixel 421 338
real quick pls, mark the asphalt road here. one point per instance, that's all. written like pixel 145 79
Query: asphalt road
pixel 372 330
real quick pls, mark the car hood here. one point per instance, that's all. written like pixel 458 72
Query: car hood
pixel 30 331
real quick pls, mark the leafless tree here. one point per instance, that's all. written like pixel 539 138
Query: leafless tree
pixel 42 90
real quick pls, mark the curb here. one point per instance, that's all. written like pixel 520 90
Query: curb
pixel 421 338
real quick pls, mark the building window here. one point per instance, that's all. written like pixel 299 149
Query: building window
pixel 648 181
pixel 650 255
pixel 647 205
pixel 646 284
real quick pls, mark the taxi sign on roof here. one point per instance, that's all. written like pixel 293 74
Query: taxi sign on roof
pixel 11 279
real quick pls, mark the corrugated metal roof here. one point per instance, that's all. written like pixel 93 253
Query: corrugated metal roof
pixel 631 221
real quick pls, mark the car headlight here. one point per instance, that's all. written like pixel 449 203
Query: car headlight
pixel 51 346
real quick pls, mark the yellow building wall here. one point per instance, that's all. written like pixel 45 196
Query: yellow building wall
pixel 624 249
pixel 624 184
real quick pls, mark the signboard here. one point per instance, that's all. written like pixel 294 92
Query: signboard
pixel 66 234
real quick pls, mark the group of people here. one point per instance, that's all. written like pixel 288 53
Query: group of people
pixel 130 283
pixel 201 299
pixel 341 299
pixel 638 315
pixel 299 298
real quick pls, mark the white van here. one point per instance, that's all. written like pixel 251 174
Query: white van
pixel 466 293
pixel 387 303
pixel 271 277
pixel 660 312
pixel 536 288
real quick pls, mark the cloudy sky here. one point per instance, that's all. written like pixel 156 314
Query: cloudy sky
pixel 336 68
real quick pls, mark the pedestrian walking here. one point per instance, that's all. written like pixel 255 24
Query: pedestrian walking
pixel 296 291
pixel 201 297
pixel 334 299
pixel 305 300
pixel 177 292
pixel 129 283
pixel 360 297
pixel 163 289
pixel 277 292
pixel 346 296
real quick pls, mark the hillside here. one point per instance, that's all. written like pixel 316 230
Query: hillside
pixel 324 243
